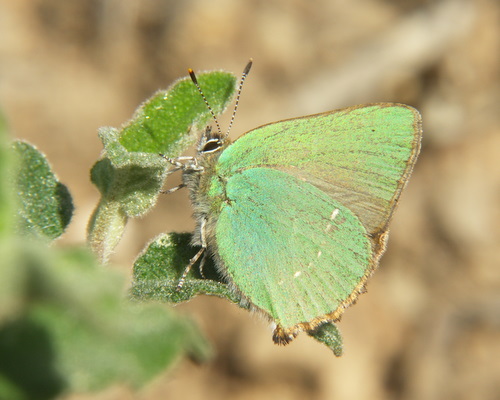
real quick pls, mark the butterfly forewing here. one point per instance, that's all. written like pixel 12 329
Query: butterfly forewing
pixel 360 156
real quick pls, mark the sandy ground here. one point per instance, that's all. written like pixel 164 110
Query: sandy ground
pixel 429 326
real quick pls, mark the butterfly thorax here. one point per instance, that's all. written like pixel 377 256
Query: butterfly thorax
pixel 206 190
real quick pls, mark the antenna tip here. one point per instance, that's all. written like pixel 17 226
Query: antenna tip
pixel 193 76
pixel 248 66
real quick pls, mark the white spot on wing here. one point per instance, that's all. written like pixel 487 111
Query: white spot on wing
pixel 332 217
pixel 297 274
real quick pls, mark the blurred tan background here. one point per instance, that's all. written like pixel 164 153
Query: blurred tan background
pixel 429 326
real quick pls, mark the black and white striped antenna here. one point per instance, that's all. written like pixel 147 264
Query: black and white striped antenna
pixel 240 86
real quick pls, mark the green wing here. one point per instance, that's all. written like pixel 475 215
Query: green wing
pixel 360 156
pixel 291 249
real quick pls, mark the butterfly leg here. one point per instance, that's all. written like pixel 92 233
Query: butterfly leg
pixel 203 246
pixel 174 189
pixel 202 264
pixel 177 167
pixel 189 162
pixel 193 260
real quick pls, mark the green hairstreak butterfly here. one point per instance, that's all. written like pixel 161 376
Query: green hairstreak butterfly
pixel 295 213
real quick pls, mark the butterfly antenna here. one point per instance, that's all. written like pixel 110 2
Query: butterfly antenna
pixel 240 86
pixel 195 81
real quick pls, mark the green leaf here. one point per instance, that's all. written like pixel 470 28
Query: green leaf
pixel 158 270
pixel 44 204
pixel 129 184
pixel 130 173
pixel 162 123
pixel 133 180
pixel 329 335
pixel 74 330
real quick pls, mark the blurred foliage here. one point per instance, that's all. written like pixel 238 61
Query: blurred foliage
pixel 45 206
pixel 64 322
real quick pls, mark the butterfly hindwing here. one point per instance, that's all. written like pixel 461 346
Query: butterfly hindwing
pixel 292 250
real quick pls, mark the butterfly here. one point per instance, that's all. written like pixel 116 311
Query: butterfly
pixel 295 213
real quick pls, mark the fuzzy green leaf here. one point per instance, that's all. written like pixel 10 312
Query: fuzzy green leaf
pixel 158 270
pixel 133 180
pixel 45 205
pixel 163 123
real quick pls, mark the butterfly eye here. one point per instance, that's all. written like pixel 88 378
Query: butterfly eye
pixel 211 145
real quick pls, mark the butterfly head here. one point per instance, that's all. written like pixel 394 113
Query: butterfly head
pixel 211 142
